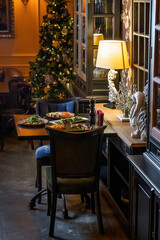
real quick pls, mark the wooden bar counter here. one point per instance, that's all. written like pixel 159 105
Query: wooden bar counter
pixel 122 129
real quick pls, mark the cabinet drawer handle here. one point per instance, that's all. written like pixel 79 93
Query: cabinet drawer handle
pixel 158 153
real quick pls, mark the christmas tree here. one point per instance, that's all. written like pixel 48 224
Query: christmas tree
pixel 54 62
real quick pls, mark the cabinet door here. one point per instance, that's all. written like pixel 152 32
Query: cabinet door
pixel 156 218
pixel 142 195
pixel 94 20
pixel 141 16
pixel 155 73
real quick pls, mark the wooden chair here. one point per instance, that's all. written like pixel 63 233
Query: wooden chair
pixel 75 168
pixel 43 153
pixel 20 94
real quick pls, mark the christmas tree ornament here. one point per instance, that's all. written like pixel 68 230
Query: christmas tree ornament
pixel 55 43
pixel 70 42
pixel 64 31
pixel 56 36
pixel 51 16
pixel 55 83
pixel 57 17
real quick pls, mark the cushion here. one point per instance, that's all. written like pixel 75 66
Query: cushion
pixel 43 152
pixel 65 107
pixel 71 185
pixel 45 107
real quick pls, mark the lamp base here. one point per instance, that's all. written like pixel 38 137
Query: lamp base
pixel 110 105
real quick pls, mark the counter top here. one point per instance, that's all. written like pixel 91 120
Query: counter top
pixel 123 129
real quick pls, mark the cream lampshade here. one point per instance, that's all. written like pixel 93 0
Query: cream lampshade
pixel 112 55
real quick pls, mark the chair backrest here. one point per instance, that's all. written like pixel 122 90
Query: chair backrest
pixel 11 74
pixel 24 97
pixel 76 155
pixel 66 105
pixel 20 95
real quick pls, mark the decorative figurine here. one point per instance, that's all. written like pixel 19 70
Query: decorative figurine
pixel 138 103
pixel 139 114
pixel 112 90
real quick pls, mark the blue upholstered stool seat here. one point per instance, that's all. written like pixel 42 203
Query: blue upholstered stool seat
pixel 43 152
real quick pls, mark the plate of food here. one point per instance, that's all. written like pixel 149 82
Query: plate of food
pixel 59 115
pixel 78 127
pixel 32 122
pixel 75 119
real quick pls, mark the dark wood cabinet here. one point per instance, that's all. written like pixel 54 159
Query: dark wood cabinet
pixel 141 209
pixel 93 21
pixel 133 173
pixel 140 35
pixel 154 84
pixel 156 230
pixel 119 178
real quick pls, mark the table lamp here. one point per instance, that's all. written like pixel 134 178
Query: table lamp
pixel 112 54
pixel 97 37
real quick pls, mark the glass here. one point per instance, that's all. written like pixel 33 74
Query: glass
pixel 103 25
pixel 135 51
pixel 141 17
pixel 158 51
pixel 83 60
pixel 157 106
pixel 83 20
pixel 76 54
pixel 135 18
pixel 147 17
pixel 83 6
pixel 141 52
pixel 76 24
pixel 76 3
pixel 146 51
pixel 103 6
pixel 98 72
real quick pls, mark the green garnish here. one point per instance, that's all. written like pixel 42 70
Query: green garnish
pixel 33 119
pixel 70 119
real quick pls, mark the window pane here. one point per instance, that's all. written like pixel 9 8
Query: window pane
pixel 76 3
pixel 135 17
pixel 157 53
pixel 83 30
pixel 83 64
pixel 76 54
pixel 102 6
pixel 83 6
pixel 158 106
pixel 104 25
pixel 76 24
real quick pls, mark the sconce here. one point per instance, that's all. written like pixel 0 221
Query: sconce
pixel 25 2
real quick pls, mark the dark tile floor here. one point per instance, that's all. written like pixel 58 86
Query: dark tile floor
pixel 17 222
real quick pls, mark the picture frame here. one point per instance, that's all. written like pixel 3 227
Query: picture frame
pixel 7 28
